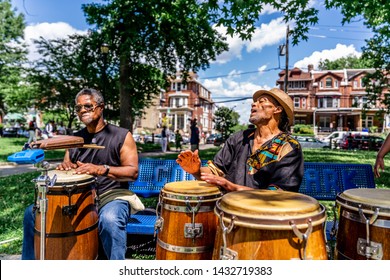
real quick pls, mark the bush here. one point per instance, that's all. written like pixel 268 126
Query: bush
pixel 303 129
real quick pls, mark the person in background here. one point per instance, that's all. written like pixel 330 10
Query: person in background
pixel 264 157
pixel 383 151
pixel 178 140
pixel 195 137
pixel 61 130
pixel 114 166
pixel 48 132
pixel 164 139
pixel 32 130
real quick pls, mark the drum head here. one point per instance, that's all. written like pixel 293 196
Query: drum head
pixel 267 204
pixel 65 177
pixel 377 197
pixel 191 188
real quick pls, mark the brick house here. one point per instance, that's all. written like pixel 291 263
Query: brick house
pixel 177 105
pixel 331 99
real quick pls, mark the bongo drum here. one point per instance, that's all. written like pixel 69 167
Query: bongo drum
pixel 364 224
pixel 269 225
pixel 71 218
pixel 187 224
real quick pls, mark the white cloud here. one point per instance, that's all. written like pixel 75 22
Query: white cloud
pixel 333 54
pixel 266 35
pixel 230 89
pixel 47 31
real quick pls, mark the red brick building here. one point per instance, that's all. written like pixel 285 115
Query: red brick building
pixel 331 99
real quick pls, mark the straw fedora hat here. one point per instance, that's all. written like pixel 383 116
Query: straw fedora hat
pixel 284 100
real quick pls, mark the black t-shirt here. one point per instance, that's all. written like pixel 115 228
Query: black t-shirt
pixel 273 170
pixel 112 138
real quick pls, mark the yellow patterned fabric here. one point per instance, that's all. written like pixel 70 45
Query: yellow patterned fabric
pixel 271 152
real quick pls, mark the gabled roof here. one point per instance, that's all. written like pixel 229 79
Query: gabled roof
pixel 352 73
pixel 318 76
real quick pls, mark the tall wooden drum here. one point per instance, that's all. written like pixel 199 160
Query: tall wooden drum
pixel 71 219
pixel 269 225
pixel 186 224
pixel 364 224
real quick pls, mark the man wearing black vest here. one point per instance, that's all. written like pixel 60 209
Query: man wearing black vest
pixel 113 167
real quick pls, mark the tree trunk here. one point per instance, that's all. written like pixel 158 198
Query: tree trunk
pixel 124 91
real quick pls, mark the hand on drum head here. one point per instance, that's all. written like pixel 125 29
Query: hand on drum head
pixel 189 161
pixel 66 165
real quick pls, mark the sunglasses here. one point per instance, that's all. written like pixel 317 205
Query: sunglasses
pixel 87 107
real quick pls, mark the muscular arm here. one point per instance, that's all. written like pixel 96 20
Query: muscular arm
pixel 128 171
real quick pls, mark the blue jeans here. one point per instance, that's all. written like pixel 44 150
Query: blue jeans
pixel 113 218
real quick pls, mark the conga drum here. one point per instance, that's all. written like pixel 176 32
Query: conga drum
pixel 71 218
pixel 269 225
pixel 364 224
pixel 186 224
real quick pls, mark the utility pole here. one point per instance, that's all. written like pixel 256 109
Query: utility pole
pixel 286 74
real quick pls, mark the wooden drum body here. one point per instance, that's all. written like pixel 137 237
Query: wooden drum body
pixel 71 218
pixel 364 224
pixel 269 225
pixel 187 224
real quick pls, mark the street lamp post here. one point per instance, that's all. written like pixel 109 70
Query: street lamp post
pixel 104 49
pixel 314 122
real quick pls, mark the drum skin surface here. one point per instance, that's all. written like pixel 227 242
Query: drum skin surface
pixel 261 226
pixel 352 231
pixel 71 232
pixel 172 241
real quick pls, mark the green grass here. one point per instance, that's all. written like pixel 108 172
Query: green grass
pixel 17 191
pixel 9 146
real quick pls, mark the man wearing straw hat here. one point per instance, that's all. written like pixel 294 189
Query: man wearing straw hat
pixel 264 157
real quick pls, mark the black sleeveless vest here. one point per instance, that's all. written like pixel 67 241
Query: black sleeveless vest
pixel 112 138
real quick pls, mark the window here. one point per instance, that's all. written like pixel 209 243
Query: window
pixel 304 102
pixel 296 102
pixel 368 121
pixel 328 102
pixel 336 84
pixel 355 83
pixel 328 83
pixel 297 84
pixel 324 121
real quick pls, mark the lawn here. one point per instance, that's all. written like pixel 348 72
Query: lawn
pixel 17 191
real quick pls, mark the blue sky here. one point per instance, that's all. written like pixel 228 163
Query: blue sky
pixel 245 68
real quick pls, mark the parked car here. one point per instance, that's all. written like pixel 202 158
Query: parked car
pixel 211 138
pixel 338 136
pixel 218 141
pixel 158 139
pixel 311 142
pixel 13 131
pixel 362 142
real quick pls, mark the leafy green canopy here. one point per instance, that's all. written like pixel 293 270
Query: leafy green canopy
pixel 13 94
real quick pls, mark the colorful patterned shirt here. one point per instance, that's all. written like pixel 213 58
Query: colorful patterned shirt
pixel 277 164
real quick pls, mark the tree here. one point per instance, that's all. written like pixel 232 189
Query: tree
pixel 375 16
pixel 349 62
pixel 164 36
pixel 225 120
pixel 150 38
pixel 13 95
pixel 66 66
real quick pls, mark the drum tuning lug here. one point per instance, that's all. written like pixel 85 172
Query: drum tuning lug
pixel 158 225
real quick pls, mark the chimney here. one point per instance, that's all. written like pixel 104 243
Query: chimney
pixel 310 67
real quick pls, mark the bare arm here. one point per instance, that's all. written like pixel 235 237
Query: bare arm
pixel 383 151
pixel 127 171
